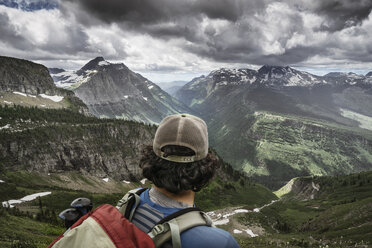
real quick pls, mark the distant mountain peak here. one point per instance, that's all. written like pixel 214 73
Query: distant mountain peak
pixel 335 74
pixel 91 65
pixel 369 74
pixel 345 75
pixel 274 69
pixel 73 79
pixel 55 70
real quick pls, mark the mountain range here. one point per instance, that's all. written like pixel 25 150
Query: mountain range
pixel 172 87
pixel 281 89
pixel 273 124
pixel 114 91
pixel 277 123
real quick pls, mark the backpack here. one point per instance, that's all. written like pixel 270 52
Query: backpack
pixel 110 227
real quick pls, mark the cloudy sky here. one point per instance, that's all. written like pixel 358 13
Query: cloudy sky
pixel 169 40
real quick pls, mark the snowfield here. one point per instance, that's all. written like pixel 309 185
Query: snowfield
pixel 53 98
pixel 103 63
pixel 19 93
pixel 222 217
pixel 10 203
pixel 5 127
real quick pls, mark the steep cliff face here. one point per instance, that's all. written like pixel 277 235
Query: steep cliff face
pixel 26 83
pixel 27 77
pixel 99 148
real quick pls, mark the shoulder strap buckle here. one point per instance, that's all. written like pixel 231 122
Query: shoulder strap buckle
pixel 156 230
pixel 173 225
pixel 129 203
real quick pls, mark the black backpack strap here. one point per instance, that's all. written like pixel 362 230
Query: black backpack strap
pixel 129 203
pixel 173 225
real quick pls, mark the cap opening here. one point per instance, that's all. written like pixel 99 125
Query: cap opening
pixel 173 150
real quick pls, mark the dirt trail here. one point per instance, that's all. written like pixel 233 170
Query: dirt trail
pixel 224 216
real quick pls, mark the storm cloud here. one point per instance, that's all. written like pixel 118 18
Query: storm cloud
pixel 168 35
pixel 9 32
pixel 253 32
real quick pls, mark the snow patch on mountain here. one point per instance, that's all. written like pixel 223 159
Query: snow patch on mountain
pixel 7 126
pixel 71 79
pixel 23 94
pixel 10 203
pixel 225 76
pixel 20 93
pixel 103 63
pixel 364 120
pixel 294 80
pixel 53 98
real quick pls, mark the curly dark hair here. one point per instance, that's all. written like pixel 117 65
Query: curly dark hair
pixel 177 177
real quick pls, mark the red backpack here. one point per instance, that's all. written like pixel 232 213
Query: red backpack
pixel 110 227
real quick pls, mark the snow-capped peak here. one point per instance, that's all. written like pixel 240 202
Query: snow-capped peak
pixel 226 76
pixel 286 76
pixel 103 63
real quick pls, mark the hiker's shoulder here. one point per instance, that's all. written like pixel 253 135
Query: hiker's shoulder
pixel 205 236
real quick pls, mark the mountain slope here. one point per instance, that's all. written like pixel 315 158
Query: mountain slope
pixel 277 123
pixel 172 87
pixel 26 83
pixel 51 141
pixel 318 212
pixel 114 91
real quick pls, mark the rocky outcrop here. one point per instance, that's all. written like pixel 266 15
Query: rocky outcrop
pixel 103 150
pixel 18 75
pixel 26 77
pixel 303 188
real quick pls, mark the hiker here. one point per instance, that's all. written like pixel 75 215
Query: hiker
pixel 179 164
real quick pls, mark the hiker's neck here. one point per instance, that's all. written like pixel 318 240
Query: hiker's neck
pixel 186 196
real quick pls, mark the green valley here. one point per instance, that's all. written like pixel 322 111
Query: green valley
pixel 339 215
pixel 273 148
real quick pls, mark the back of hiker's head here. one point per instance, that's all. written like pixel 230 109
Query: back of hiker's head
pixel 179 158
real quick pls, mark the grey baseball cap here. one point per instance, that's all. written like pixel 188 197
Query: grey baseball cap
pixel 182 130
